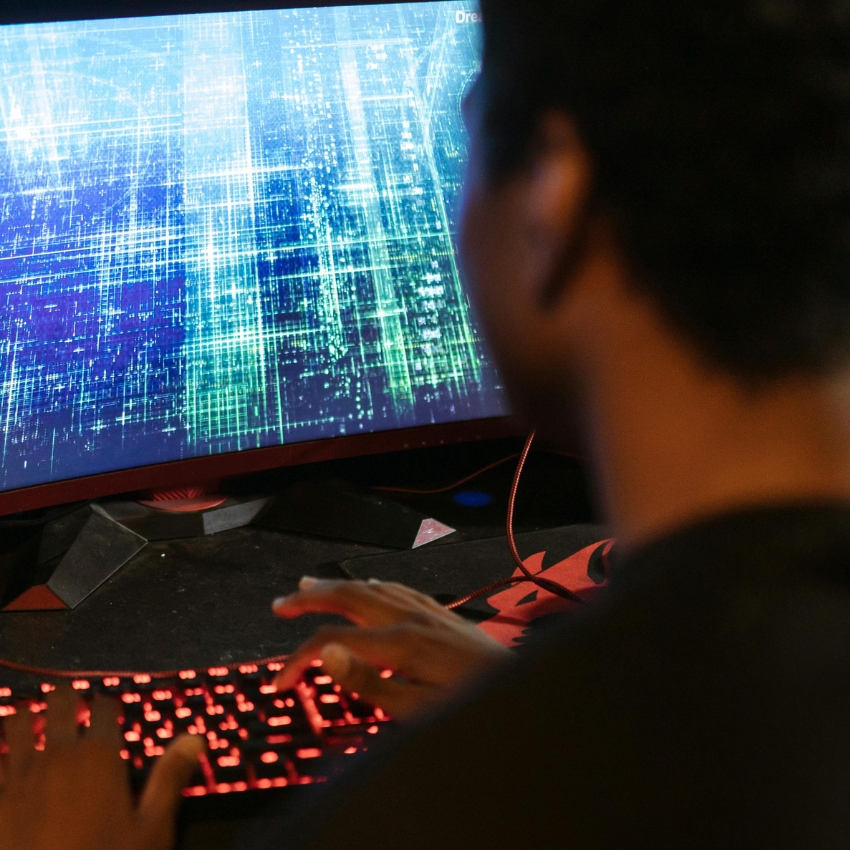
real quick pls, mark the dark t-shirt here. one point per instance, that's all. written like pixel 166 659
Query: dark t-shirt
pixel 702 701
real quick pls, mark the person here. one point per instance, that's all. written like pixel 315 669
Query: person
pixel 656 237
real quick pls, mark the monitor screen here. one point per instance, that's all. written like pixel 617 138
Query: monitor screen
pixel 223 232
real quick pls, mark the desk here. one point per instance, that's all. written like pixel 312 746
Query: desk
pixel 207 601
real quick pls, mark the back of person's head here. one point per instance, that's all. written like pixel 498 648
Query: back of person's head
pixel 720 137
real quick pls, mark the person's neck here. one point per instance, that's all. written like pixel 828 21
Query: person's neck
pixel 673 442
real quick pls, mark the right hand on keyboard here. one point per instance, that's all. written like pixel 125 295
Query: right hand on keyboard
pixel 75 795
pixel 432 652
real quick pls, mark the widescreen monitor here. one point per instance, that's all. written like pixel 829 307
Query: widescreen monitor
pixel 227 242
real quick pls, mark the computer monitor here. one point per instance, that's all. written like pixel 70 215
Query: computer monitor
pixel 227 242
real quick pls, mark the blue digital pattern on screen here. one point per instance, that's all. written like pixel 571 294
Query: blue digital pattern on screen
pixel 230 231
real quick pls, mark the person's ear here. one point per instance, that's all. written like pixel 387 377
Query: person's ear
pixel 556 206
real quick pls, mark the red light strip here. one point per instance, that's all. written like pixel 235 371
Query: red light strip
pixel 120 674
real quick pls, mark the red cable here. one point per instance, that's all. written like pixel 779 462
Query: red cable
pixel 450 486
pixel 527 575
pixel 474 475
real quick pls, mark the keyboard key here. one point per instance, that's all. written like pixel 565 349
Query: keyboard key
pixel 256 736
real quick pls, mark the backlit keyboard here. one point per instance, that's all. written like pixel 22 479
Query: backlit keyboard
pixel 257 737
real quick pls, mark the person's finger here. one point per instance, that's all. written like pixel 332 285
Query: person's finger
pixel 385 648
pixel 162 794
pixel 398 699
pixel 62 716
pixel 19 738
pixel 360 602
pixel 408 597
pixel 103 720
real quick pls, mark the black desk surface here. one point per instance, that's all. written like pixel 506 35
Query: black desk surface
pixel 207 601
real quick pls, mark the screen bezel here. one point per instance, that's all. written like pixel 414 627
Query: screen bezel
pixel 51 11
pixel 232 464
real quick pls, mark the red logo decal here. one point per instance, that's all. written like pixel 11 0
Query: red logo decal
pixel 522 604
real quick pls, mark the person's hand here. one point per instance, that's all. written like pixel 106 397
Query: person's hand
pixel 432 653
pixel 75 795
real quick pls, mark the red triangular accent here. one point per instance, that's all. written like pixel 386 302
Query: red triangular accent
pixel 38 598
pixel 431 530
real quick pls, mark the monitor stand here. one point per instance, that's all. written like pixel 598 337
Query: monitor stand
pixel 342 511
pixel 184 500
pixel 69 557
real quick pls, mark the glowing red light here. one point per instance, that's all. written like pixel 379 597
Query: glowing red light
pixel 5 692
pixel 77 685
pixel 111 682
pixel 223 788
pixel 162 695
pixel 142 679
pixel 224 689
pixel 269 758
pixel 187 674
pixel 323 680
pixel 196 791
pixel 218 672
pixel 164 733
pixel 278 739
pixel 128 698
pixel 386 674
pixel 7 710
pixel 228 761
pixel 125 754
pixel 245 669
pixel 275 666
pixel 268 689
pixel 183 712
pixel 316 662
pixel 246 706
pixel 351 751
pixel 46 688
pixel 132 736
pixel 153 716
pixel 308 753
pixel 151 752
pixel 373 730
pixel 329 699
pixel 280 782
pixel 279 721
pixel 264 783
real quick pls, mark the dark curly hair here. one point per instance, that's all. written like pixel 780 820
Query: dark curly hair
pixel 720 133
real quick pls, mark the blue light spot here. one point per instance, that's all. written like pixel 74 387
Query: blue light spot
pixel 473 499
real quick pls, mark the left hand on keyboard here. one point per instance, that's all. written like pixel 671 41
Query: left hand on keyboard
pixel 75 795
pixel 432 652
